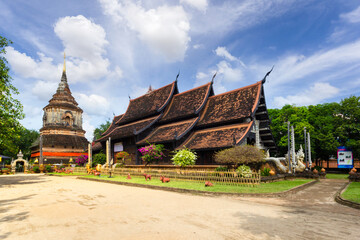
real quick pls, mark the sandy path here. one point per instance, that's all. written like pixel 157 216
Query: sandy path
pixel 34 207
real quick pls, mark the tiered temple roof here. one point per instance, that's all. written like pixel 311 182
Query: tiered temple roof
pixel 196 119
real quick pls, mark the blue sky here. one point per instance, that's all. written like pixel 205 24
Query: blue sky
pixel 117 48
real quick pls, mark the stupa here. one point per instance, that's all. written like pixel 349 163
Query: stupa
pixel 62 137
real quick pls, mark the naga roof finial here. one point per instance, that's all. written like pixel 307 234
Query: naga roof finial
pixel 267 74
pixel 212 80
pixel 177 76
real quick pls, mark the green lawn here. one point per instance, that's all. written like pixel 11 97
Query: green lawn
pixel 336 176
pixel 352 193
pixel 262 188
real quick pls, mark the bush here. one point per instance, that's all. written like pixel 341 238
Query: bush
pixel 36 169
pixel 244 171
pixel 81 160
pixel 244 154
pixel 265 172
pixel 48 168
pixel 221 169
pixel 121 157
pixel 152 153
pixel 318 168
pixel 99 158
pixel 184 157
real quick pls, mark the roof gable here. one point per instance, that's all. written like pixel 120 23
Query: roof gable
pixel 187 103
pixel 148 104
pixel 231 106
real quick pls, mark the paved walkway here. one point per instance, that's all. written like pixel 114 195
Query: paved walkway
pixel 317 197
pixel 33 207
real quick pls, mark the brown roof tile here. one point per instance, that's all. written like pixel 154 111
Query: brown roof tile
pixel 169 132
pixel 230 106
pixel 218 137
pixel 97 146
pixel 148 104
pixel 112 125
pixel 129 129
pixel 187 103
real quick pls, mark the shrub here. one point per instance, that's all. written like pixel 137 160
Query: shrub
pixel 244 171
pixel 152 153
pixel 120 157
pixel 244 154
pixel 99 158
pixel 81 160
pixel 221 169
pixel 48 168
pixel 265 172
pixel 184 157
pixel 318 168
pixel 36 169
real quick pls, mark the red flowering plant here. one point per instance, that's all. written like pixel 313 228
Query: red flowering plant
pixel 121 156
pixel 81 160
pixel 152 153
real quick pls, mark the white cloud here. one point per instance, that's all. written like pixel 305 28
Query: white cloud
pixel 230 74
pixel 200 5
pixel 295 67
pixel 231 15
pixel 226 71
pixel 84 43
pixel 81 37
pixel 198 46
pixel 222 52
pixel 88 127
pixel 165 29
pixel 93 104
pixel 353 16
pixel 44 89
pixel 27 67
pixel 314 95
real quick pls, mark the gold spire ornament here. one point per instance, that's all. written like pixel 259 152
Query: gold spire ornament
pixel 64 70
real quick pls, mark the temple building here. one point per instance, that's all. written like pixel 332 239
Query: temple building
pixel 61 137
pixel 196 119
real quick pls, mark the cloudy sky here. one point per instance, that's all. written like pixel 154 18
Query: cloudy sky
pixel 117 48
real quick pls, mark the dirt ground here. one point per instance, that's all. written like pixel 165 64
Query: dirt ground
pixel 45 207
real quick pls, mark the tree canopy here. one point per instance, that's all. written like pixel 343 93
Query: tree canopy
pixel 102 128
pixel 330 125
pixel 11 110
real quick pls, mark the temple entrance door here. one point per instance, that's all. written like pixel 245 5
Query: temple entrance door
pixel 19 167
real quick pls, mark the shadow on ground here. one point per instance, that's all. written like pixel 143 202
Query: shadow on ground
pixel 8 181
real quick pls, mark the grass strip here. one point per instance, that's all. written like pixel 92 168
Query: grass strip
pixel 336 176
pixel 273 187
pixel 352 193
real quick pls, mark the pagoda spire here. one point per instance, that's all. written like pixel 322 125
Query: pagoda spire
pixel 64 70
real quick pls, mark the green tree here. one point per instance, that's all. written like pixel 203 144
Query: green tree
pixel 101 129
pixel 11 110
pixel 348 124
pixel 99 158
